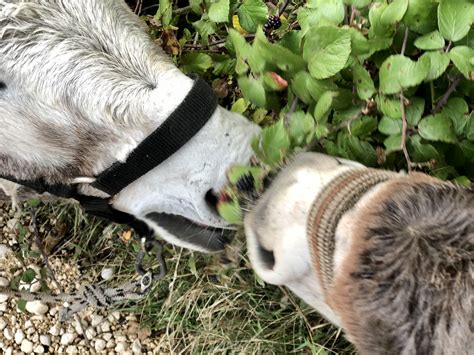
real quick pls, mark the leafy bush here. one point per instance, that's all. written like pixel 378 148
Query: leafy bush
pixel 362 79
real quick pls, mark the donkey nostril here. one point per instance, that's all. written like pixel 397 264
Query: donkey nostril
pixel 211 200
pixel 267 257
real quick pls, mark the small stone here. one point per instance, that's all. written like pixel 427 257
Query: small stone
pixel 8 333
pixel 107 273
pixel 72 349
pixel 67 338
pixel 28 324
pixel 19 336
pixel 3 307
pixel 3 323
pixel 4 282
pixel 144 333
pixel 107 336
pixel 54 330
pixel 105 326
pixel 137 347
pixel 4 251
pixel 120 338
pixel 35 286
pixel 30 331
pixel 39 349
pixel 45 339
pixel 96 320
pixel 36 307
pixel 120 347
pixel 110 344
pixel 4 297
pixel 90 333
pixel 9 351
pixel 26 346
pixel 99 345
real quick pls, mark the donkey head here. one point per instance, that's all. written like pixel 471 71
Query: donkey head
pixel 81 85
pixel 385 256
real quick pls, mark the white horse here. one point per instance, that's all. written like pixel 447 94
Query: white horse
pixel 81 86
pixel 388 257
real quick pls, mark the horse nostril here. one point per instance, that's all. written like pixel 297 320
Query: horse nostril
pixel 212 198
pixel 266 256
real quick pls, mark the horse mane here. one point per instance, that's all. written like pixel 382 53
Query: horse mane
pixel 408 285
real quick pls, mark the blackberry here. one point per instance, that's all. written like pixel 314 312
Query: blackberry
pixel 272 23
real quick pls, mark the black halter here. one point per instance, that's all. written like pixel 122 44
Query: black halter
pixel 187 120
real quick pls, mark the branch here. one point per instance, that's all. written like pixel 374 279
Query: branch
pixel 447 94
pixel 405 39
pixel 404 132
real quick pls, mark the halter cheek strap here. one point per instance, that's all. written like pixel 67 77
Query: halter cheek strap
pixel 337 198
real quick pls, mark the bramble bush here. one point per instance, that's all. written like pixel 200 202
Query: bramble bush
pixel 386 83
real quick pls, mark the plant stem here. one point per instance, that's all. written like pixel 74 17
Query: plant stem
pixel 182 10
pixel 405 39
pixel 448 93
pixel 404 132
pixel 432 96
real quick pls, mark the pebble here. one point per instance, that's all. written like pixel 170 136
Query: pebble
pixel 35 286
pixel 36 307
pixel 54 330
pixel 4 282
pixel 120 347
pixel 4 297
pixel 39 349
pixel 19 336
pixel 96 320
pixel 137 347
pixel 105 327
pixel 8 333
pixel 107 336
pixel 72 349
pixel 4 250
pixel 3 323
pixel 107 273
pixel 99 345
pixel 67 338
pixel 26 346
pixel 90 333
pixel 9 351
pixel 45 339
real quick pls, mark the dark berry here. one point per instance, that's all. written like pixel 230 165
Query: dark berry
pixel 272 23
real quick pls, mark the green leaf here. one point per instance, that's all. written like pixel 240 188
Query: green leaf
pixel 274 143
pixel 437 128
pixel 421 16
pixel 462 59
pixel 454 18
pixel 196 62
pixel 432 40
pixel 360 44
pixel 328 11
pixel 362 151
pixel 28 276
pixel 364 83
pixel 358 3
pixel 277 55
pixel 390 126
pixel 165 12
pixel 326 49
pixel 399 72
pixel 394 12
pixel 389 107
pixel 364 126
pixel 252 13
pixel 414 111
pixel 21 305
pixel 308 89
pixel 219 11
pixel 242 50
pixel 458 111
pixel 462 180
pixel 230 211
pixel 33 202
pixel 301 128
pixel 393 143
pixel 239 106
pixel 324 105
pixel 439 62
pixel 421 152
pixel 238 171
pixel 468 149
pixel 253 90
pixel 377 28
pixel 205 28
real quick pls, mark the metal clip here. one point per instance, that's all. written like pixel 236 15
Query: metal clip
pixel 149 276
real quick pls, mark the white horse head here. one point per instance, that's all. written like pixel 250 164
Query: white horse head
pixel 81 85
pixel 386 256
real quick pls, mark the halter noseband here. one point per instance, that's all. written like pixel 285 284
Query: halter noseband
pixel 183 123
pixel 337 198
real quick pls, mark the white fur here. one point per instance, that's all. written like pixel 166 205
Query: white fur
pixel 84 86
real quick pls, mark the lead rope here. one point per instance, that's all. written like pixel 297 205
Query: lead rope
pixel 98 295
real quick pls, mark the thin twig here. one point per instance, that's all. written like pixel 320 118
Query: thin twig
pixel 449 46
pixel 138 7
pixel 283 7
pixel 405 39
pixel 443 101
pixel 353 15
pixel 404 132
pixel 182 10
pixel 39 244
pixel 291 111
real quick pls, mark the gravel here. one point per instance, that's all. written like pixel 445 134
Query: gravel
pixel 38 330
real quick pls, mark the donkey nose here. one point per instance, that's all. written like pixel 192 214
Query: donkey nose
pixel 267 258
pixel 211 199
